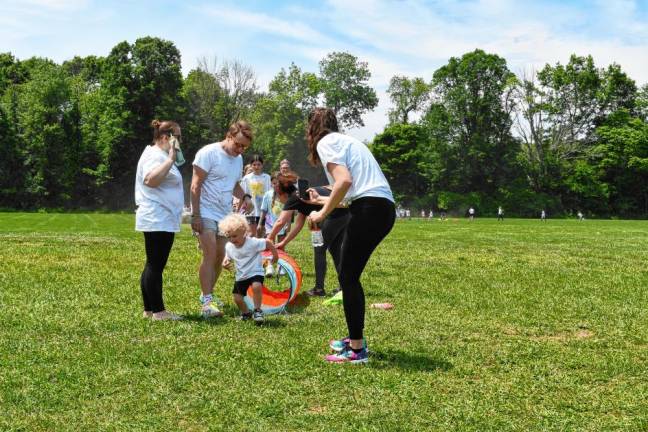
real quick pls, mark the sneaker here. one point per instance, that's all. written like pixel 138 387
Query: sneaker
pixel 245 316
pixel 269 270
pixel 336 290
pixel 339 345
pixel 316 292
pixel 215 299
pixel 210 310
pixel 257 316
pixel 166 316
pixel 349 356
pixel 147 314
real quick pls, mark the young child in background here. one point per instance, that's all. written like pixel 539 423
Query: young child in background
pixel 245 253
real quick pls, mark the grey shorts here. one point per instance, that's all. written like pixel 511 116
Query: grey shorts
pixel 211 225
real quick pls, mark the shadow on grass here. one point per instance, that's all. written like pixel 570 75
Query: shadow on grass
pixel 387 359
pixel 198 319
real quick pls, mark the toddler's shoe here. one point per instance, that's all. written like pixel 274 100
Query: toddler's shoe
pixel 257 316
pixel 269 270
pixel 349 356
pixel 245 316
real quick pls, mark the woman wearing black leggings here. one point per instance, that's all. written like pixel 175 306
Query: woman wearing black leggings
pixel 159 198
pixel 357 180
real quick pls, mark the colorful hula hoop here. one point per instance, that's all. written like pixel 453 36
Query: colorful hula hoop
pixel 275 301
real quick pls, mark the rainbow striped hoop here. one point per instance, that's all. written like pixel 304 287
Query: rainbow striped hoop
pixel 281 290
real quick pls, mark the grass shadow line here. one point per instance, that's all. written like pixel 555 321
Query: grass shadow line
pixel 387 359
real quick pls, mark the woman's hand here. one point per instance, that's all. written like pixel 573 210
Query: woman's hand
pixel 316 216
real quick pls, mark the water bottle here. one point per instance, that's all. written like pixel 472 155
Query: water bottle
pixel 180 160
pixel 316 236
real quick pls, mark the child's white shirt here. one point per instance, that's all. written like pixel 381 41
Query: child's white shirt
pixel 247 258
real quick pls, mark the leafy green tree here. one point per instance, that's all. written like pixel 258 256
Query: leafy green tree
pixel 344 83
pixel 407 96
pixel 401 150
pixel 474 99
pixel 558 111
pixel 279 120
pixel 620 159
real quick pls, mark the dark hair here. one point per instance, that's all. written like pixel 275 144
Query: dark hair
pixel 321 122
pixel 242 127
pixel 256 158
pixel 163 127
pixel 286 183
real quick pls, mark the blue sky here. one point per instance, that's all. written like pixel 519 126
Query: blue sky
pixel 404 37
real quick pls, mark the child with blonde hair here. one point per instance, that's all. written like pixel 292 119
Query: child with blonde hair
pixel 245 252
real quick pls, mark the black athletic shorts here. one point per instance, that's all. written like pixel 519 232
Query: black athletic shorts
pixel 241 287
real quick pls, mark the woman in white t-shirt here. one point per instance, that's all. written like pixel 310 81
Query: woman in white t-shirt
pixel 159 198
pixel 357 179
pixel 256 184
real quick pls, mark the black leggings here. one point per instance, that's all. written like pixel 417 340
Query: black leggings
pixel 158 246
pixel 370 221
pixel 332 232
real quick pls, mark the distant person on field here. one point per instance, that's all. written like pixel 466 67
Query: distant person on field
pixel 216 174
pixel 422 213
pixel 245 252
pixel 580 216
pixel 500 213
pixel 431 214
pixel 159 198
pixel 543 216
pixel 471 213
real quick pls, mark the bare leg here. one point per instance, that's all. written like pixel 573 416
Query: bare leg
pixel 256 295
pixel 238 299
pixel 213 248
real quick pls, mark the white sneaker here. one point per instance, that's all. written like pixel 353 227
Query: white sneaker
pixel 166 316
pixel 269 270
pixel 210 310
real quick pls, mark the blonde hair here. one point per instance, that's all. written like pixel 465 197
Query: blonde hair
pixel 232 223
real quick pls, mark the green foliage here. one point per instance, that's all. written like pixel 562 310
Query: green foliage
pixel 407 96
pixel 401 151
pixel 344 84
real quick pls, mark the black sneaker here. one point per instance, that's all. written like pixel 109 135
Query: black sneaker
pixel 316 292
pixel 257 316
pixel 246 316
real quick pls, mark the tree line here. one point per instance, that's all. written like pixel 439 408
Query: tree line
pixel 569 137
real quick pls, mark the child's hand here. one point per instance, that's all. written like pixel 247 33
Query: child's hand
pixel 227 264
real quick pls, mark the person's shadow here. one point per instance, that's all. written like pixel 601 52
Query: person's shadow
pixel 387 359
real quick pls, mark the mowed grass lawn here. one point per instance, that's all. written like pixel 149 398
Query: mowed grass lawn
pixel 516 325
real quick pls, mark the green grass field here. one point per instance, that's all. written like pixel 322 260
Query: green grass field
pixel 497 326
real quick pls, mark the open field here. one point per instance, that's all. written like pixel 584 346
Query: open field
pixel 517 325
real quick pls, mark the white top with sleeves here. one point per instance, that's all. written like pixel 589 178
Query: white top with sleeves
pixel 223 172
pixel 247 258
pixel 368 179
pixel 158 208
pixel 256 186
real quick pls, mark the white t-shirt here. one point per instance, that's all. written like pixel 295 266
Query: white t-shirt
pixel 247 259
pixel 272 211
pixel 471 211
pixel 368 178
pixel 223 172
pixel 256 186
pixel 158 208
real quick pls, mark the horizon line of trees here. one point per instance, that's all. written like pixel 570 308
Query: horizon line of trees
pixel 566 138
